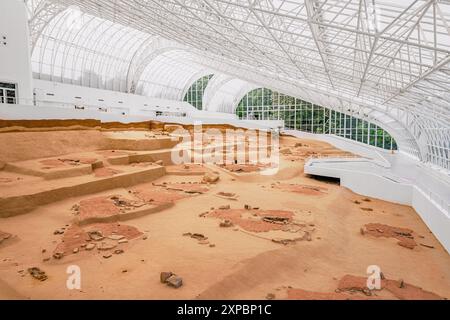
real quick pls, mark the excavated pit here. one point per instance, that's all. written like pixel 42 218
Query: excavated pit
pixel 110 198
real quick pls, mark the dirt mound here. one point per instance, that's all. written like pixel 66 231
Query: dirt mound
pixel 245 168
pixel 404 236
pixel 302 189
pixel 398 288
pixel 4 236
pixel 22 146
pixel 355 288
pixel 255 220
pixel 190 188
pixel 76 238
pixel 58 163
pixel 300 294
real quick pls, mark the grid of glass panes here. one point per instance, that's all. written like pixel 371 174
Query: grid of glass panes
pixel 265 104
pixel 439 150
pixel 8 93
pixel 194 95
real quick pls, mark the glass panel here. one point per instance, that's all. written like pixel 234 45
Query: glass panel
pixel 194 95
pixel 265 104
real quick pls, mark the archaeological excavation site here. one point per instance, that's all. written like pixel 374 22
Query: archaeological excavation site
pixel 109 199
pixel 224 150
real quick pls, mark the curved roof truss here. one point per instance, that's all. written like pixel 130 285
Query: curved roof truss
pixel 384 60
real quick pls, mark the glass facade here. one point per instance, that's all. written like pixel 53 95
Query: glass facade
pixel 8 93
pixel 265 104
pixel 194 95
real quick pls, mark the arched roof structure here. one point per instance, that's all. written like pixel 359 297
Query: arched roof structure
pixel 384 60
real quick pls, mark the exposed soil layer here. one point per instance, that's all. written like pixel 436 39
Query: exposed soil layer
pixel 113 207
pixel 100 236
pixel 302 189
pixel 256 232
pixel 355 288
pixel 57 163
pixel 244 168
pixel 255 220
pixel 113 153
pixel 4 236
pixel 300 294
pixel 106 172
pixel 190 188
pixel 404 236
pixel 158 196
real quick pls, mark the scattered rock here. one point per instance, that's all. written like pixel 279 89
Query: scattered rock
pixel 276 220
pixel 96 235
pixel 58 231
pixel 37 273
pixel 116 237
pixel 427 246
pixel 58 255
pixel 212 245
pixel 247 207
pixel 164 276
pixel 159 163
pixel 123 241
pixel 203 242
pixel 76 250
pixel 199 236
pixel 107 256
pixel 226 207
pixel 119 251
pixel 211 177
pixel 227 195
pixel 90 246
pixel 401 284
pixel 106 246
pixel 270 296
pixel 226 224
pixel 174 281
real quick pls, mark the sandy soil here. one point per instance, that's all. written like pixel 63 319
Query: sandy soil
pixel 286 236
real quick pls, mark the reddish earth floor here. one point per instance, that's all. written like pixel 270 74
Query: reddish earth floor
pixel 234 234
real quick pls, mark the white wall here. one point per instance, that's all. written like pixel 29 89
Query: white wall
pixel 355 147
pixel 27 112
pixel 15 65
pixel 56 94
pixel 368 178
pixel 57 101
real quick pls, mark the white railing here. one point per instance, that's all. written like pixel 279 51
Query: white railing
pixel 386 171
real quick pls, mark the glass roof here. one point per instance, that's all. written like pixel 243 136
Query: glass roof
pixel 388 60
